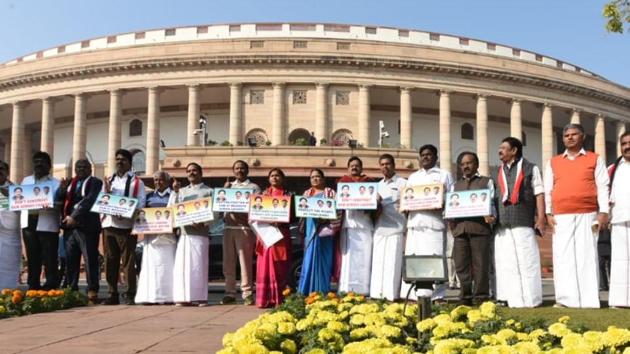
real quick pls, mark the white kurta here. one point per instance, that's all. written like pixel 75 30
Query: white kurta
pixel 575 260
pixel 155 283
pixel 619 294
pixel 356 252
pixel 190 273
pixel 426 230
pixel 10 249
pixel 388 242
pixel 517 262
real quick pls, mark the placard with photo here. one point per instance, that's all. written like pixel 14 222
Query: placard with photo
pixel 357 195
pixel 193 212
pixel 110 204
pixel 315 207
pixel 232 200
pixel 31 196
pixel 270 209
pixel 422 197
pixel 153 221
pixel 465 204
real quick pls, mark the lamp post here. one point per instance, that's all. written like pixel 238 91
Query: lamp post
pixel 203 124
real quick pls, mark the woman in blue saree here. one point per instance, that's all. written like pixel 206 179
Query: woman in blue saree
pixel 319 241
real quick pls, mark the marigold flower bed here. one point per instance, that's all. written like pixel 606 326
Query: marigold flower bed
pixel 330 323
pixel 14 302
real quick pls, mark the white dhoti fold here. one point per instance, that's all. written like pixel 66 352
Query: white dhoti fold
pixel 517 267
pixel 190 275
pixel 575 263
pixel 356 260
pixel 155 284
pixel 10 258
pixel 619 294
pixel 424 241
pixel 386 265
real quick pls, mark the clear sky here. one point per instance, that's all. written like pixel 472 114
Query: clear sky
pixel 570 30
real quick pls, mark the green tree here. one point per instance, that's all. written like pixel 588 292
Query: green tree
pixel 617 14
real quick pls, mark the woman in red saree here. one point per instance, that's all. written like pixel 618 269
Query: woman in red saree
pixel 273 266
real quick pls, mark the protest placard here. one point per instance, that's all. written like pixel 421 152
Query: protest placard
pixel 153 221
pixel 361 196
pixel 422 197
pixel 233 200
pixel 110 204
pixel 315 207
pixel 463 204
pixel 31 196
pixel 270 209
pixel 193 212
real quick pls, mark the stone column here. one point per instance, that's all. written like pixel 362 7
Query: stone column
pixel 277 114
pixel 236 115
pixel 575 117
pixel 364 115
pixel 7 149
pixel 600 136
pixel 47 143
pixel 547 134
pixel 482 134
pixel 17 142
pixel 516 122
pixel 445 130
pixel 153 131
pixel 406 118
pixel 113 140
pixel 79 140
pixel 27 153
pixel 193 114
pixel 321 111
pixel 621 128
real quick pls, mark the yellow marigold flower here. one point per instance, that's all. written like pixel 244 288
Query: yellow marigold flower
pixel 459 312
pixel 453 345
pixel 288 346
pixel 253 349
pixel 425 325
pixel 505 334
pixel 316 351
pixel 526 348
pixel 411 310
pixel 442 319
pixel 374 319
pixel 228 351
pixel 522 337
pixel 338 326
pixel 488 309
pixel 495 349
pixel 302 325
pixel 535 334
pixel 473 316
pixel 389 332
pixel 359 333
pixel 286 328
pixel 564 319
pixel 357 320
pixel 2 309
pixel 559 330
pixel 227 339
pixel 440 331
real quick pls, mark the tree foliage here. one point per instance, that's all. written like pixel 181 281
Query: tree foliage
pixel 617 14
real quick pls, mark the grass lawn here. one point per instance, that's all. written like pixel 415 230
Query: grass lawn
pixel 595 319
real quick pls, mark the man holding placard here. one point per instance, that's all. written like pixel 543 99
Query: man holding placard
pixel 471 226
pixel 82 228
pixel 40 229
pixel 426 229
pixel 356 234
pixel 521 214
pixel 388 234
pixel 576 198
pixel 190 276
pixel 239 241
pixel 10 243
pixel 119 244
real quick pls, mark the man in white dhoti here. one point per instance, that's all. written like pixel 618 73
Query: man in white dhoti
pixel 619 293
pixel 356 239
pixel 190 275
pixel 521 213
pixel 388 234
pixel 10 243
pixel 576 198
pixel 426 229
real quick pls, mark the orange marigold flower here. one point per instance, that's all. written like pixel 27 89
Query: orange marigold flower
pixel 331 295
pixel 52 293
pixel 286 292
pixel 41 293
pixel 310 300
pixel 351 293
pixel 18 292
pixel 16 298
pixel 7 291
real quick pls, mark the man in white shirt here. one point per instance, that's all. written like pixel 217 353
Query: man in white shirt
pixel 119 244
pixel 426 229
pixel 619 294
pixel 576 199
pixel 40 230
pixel 388 234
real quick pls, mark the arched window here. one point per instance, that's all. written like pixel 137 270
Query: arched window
pixel 299 137
pixel 256 137
pixel 138 161
pixel 135 128
pixel 341 137
pixel 468 131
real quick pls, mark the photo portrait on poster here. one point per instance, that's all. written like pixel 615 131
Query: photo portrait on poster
pixel 270 209
pixel 31 196
pixel 153 221
pixel 315 207
pixel 464 204
pixel 422 197
pixel 192 212
pixel 232 200
pixel 110 204
pixel 361 196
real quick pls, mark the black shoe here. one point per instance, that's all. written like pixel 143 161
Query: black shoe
pixel 228 300
pixel 112 300
pixel 130 301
